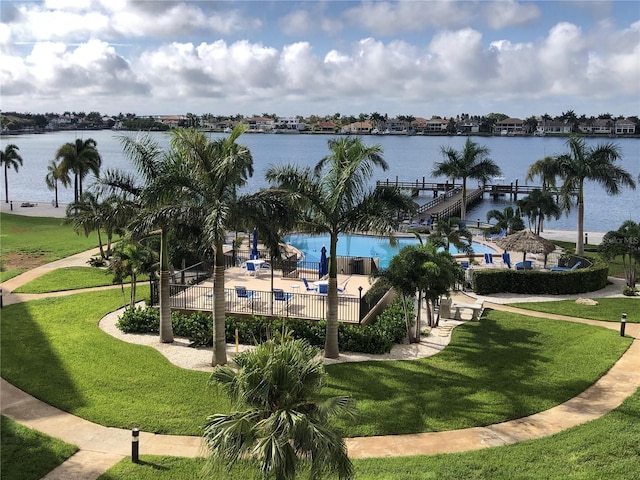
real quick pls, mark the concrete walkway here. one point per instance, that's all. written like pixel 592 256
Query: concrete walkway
pixel 101 447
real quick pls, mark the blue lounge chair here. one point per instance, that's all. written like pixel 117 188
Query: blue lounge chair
pixel 251 269
pixel 343 288
pixel 323 288
pixel 488 259
pixel 280 296
pixel 565 269
pixel 243 293
pixel 464 264
pixel 506 259
pixel 526 265
pixel 502 233
pixel 306 284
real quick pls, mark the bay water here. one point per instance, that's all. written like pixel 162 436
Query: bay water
pixel 410 158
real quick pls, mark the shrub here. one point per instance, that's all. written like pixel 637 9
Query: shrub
pixel 378 337
pixel 538 282
pixel 139 320
pixel 97 262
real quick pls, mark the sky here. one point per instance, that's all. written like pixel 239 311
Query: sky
pixel 419 58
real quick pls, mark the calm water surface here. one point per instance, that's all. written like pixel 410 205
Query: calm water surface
pixel 409 159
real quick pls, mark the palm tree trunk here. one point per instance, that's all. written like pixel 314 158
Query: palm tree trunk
pixel 56 190
pixel 6 185
pixel 166 329
pixel 463 207
pixel 102 255
pixel 133 290
pixel 331 338
pixel 219 341
pixel 580 242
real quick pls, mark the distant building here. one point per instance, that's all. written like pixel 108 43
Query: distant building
pixel 509 126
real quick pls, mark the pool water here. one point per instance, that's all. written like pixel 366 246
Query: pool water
pixel 362 246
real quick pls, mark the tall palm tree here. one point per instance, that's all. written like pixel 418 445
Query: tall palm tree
pixel 148 200
pixel 547 169
pixel 598 164
pixel 471 162
pixel 55 175
pixel 79 158
pixel 537 206
pixel 279 418
pixel 334 198
pixel 210 176
pixel 10 158
pixel 91 214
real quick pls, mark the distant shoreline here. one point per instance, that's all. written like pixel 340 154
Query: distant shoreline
pixel 37 209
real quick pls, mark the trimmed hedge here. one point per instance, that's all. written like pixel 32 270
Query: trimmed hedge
pixel 378 337
pixel 540 282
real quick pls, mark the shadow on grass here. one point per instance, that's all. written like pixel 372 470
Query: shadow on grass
pixel 501 368
pixel 29 361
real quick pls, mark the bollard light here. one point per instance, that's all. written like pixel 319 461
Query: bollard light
pixel 623 324
pixel 135 445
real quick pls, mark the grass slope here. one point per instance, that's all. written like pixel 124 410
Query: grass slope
pixel 28 454
pixel 607 310
pixel 27 242
pixel 608 447
pixel 504 367
pixel 72 278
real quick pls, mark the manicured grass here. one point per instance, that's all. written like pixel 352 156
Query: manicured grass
pixel 504 367
pixel 71 278
pixel 28 454
pixel 53 349
pixel 607 310
pixel 608 447
pixel 27 242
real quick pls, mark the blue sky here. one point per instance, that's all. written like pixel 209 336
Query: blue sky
pixel 419 58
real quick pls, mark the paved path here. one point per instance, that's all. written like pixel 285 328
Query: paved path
pixel 101 447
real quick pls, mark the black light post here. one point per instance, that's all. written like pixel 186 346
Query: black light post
pixel 359 304
pixel 623 324
pixel 135 445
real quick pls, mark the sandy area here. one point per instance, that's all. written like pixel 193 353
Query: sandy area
pixel 179 353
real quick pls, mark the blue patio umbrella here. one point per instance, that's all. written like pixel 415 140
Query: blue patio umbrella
pixel 323 268
pixel 254 244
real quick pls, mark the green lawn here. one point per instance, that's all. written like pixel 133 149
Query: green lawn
pixel 26 242
pixel 71 278
pixel 606 448
pixel 608 309
pixel 27 454
pixel 507 366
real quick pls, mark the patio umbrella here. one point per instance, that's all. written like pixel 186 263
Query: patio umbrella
pixel 525 241
pixel 323 268
pixel 254 244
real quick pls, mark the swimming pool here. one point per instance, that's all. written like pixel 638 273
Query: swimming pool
pixel 362 246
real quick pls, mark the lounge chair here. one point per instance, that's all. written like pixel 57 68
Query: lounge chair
pixel 251 269
pixel 242 292
pixel 506 259
pixel 280 296
pixel 565 269
pixel 323 288
pixel 464 264
pixel 306 284
pixel 502 233
pixel 488 259
pixel 526 265
pixel 343 288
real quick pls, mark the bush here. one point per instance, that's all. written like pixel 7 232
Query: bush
pixel 97 262
pixel 139 320
pixel 539 282
pixel 378 337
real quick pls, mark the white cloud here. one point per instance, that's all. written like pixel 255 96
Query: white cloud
pixel 501 14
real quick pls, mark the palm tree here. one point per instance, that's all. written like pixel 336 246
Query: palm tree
pixel 279 418
pixel 426 270
pixel 55 175
pixel 547 169
pixel 537 206
pixel 91 214
pixel 79 158
pixel 333 198
pixel 472 162
pixel 595 163
pixel 148 199
pixel 131 259
pixel 452 231
pixel 210 176
pixel 10 158
pixel 507 219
